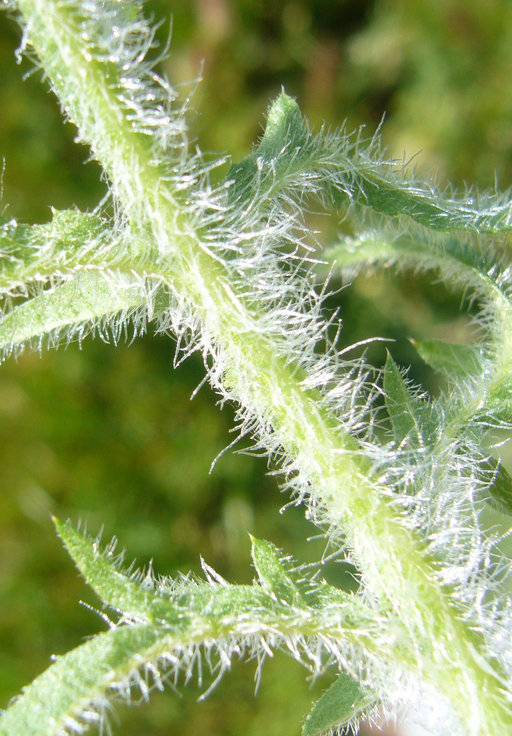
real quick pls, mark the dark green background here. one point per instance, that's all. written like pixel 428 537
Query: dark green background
pixel 108 434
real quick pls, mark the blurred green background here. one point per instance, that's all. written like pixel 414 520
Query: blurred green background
pixel 109 435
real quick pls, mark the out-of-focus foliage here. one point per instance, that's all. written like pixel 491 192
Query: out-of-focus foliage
pixel 109 435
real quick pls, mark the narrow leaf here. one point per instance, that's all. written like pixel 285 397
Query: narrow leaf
pixel 500 490
pixel 478 268
pixel 134 597
pixel 78 681
pixel 342 702
pixel 454 361
pixel 405 410
pixel 349 170
pixel 282 152
pixel 35 253
pixel 101 571
pixel 381 186
pixel 82 304
pixel 460 260
pixel 273 573
pixel 75 689
pixel 141 598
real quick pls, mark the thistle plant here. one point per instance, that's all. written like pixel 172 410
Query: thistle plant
pixel 230 267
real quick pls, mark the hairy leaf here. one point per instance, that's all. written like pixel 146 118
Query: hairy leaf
pixel 85 303
pixel 139 597
pixel 384 187
pixel 407 412
pixel 283 152
pixel 73 690
pixel 32 254
pixel 163 624
pixel 454 361
pixel 101 571
pixel 274 573
pixel 500 489
pixel 347 169
pixel 344 700
pixel 460 261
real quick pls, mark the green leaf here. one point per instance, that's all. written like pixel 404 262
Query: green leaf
pixel 454 361
pixel 283 151
pixel 361 171
pixel 477 267
pixel 343 701
pixel 285 127
pixel 406 411
pixel 140 598
pixel 78 681
pixel 460 260
pixel 275 575
pixel 35 253
pixel 382 187
pixel 82 304
pixel 134 597
pixel 349 170
pixel 500 490
pixel 101 571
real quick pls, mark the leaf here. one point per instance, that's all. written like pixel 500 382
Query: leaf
pixel 479 269
pixel 82 304
pixel 282 150
pixel 35 253
pixel 361 171
pixel 141 598
pixel 134 597
pixel 273 573
pixel 77 682
pixel 343 701
pixel 348 169
pixel 101 571
pixel 460 260
pixel 285 127
pixel 500 490
pixel 453 360
pixel 405 410
pixel 381 186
